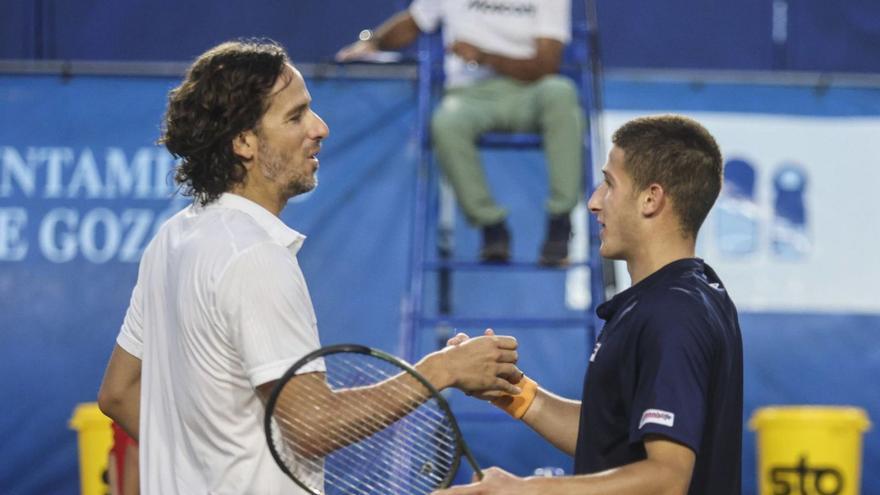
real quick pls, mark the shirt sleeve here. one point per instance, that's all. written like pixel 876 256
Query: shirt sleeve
pixel 554 20
pixel 266 306
pixel 673 377
pixel 427 14
pixel 131 335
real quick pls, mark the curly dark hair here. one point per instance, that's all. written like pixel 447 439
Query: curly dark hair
pixel 679 154
pixel 225 92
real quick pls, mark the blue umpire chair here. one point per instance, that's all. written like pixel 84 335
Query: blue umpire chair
pixel 433 229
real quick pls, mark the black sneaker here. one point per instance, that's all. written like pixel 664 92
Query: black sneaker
pixel 554 252
pixel 496 243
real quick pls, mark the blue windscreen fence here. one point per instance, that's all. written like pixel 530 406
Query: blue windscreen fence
pixel 83 186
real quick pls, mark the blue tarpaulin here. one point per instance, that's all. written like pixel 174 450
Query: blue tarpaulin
pixel 83 186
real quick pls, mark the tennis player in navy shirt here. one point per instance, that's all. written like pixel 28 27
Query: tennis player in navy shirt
pixel 661 410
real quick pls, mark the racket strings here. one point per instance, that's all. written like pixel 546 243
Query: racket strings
pixel 405 431
pixel 397 454
pixel 426 415
pixel 382 452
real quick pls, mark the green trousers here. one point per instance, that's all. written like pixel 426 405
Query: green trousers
pixel 548 106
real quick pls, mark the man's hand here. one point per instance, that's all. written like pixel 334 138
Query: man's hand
pixel 467 51
pixel 358 50
pixel 395 33
pixel 487 395
pixel 460 337
pixel 478 364
pixel 495 481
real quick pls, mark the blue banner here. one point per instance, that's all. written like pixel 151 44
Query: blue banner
pixel 83 186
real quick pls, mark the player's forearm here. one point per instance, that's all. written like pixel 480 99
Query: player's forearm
pixel 648 477
pixel 373 408
pixel 397 32
pixel 556 419
pixel 331 420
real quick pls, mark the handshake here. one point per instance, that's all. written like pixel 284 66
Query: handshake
pixel 483 367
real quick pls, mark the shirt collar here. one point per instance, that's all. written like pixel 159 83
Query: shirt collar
pixel 273 225
pixel 609 308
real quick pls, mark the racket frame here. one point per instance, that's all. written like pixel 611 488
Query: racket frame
pixel 461 448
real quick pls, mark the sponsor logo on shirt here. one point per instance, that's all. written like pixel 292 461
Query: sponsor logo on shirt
pixel 657 416
pixel 595 351
pixel 502 7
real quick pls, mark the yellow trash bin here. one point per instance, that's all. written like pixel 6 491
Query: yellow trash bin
pixel 95 440
pixel 809 450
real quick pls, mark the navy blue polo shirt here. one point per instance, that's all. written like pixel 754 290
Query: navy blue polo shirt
pixel 669 363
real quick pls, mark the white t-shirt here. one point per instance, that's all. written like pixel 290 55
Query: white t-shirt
pixel 220 307
pixel 502 27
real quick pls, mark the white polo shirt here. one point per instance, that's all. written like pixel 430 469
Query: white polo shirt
pixel 502 27
pixel 220 307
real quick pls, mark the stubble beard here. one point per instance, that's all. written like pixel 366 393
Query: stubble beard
pixel 273 167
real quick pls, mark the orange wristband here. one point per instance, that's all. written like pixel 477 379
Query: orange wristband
pixel 517 405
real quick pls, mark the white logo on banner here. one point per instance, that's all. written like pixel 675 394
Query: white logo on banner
pixel 64 175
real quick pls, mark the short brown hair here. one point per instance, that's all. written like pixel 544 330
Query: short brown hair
pixel 679 154
pixel 225 93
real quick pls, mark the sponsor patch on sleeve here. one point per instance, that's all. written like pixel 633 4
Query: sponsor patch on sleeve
pixel 658 417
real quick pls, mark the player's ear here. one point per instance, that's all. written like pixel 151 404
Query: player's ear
pixel 653 200
pixel 244 145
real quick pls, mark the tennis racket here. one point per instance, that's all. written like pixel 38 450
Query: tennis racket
pixel 348 419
